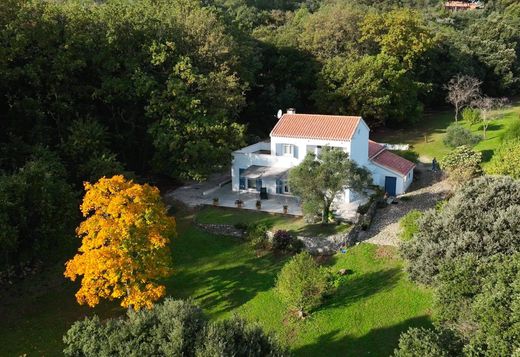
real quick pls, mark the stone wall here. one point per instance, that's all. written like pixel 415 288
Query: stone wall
pixel 222 229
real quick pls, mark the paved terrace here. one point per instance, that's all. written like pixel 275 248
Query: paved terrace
pixel 195 194
pixel 202 193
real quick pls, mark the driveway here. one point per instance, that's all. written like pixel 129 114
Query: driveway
pixel 424 194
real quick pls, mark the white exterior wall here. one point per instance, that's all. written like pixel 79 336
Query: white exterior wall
pixel 357 150
pixel 379 173
pixel 302 145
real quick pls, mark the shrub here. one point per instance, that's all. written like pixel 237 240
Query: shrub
pixel 457 135
pixel 462 164
pixel 481 218
pixel 283 241
pixel 426 343
pixel 506 160
pixel 409 224
pixel 407 154
pixel 471 115
pixel 174 328
pixel 235 337
pixel 302 283
pixel 513 132
pixel 257 235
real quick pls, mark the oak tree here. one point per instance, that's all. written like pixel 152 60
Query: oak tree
pixel 125 244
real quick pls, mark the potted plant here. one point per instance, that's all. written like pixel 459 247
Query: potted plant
pixel 258 204
pixel 285 209
pixel 239 203
pixel 215 201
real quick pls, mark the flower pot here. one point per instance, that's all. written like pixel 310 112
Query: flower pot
pixel 285 209
pixel 258 205
pixel 215 201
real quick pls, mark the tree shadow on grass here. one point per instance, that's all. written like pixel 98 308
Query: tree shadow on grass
pixel 363 286
pixel 221 290
pixel 378 342
pixel 487 155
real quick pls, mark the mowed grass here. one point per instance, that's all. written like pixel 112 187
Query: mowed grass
pixel 293 224
pixel 226 276
pixel 426 137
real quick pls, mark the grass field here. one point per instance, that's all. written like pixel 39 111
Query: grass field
pixel 426 137
pixel 295 225
pixel 225 276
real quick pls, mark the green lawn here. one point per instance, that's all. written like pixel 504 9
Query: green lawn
pixel 426 137
pixel 293 224
pixel 225 276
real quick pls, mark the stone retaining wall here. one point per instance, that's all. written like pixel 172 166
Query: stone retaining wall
pixel 328 245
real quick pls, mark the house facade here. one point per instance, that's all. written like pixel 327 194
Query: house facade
pixel 266 164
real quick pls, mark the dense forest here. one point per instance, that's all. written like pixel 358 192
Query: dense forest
pixel 94 88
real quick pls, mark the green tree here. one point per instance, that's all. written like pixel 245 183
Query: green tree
pixel 481 218
pixel 302 283
pixel 506 160
pixel 462 164
pixel 400 33
pixel 376 87
pixel 173 328
pixel 318 180
pixel 38 211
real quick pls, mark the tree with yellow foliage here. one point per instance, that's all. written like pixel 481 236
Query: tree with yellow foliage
pixel 125 244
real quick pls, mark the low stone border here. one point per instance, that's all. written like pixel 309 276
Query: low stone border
pixel 327 245
pixel 222 229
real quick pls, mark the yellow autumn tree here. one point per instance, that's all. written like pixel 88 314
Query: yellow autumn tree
pixel 125 244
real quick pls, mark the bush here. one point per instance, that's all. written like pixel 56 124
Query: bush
pixel 506 160
pixel 302 283
pixel 457 135
pixel 471 115
pixel 407 154
pixel 426 343
pixel 462 164
pixel 257 235
pixel 236 338
pixel 285 242
pixel 513 132
pixel 481 218
pixel 409 225
pixel 174 328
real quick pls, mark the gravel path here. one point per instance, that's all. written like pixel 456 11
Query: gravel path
pixel 423 194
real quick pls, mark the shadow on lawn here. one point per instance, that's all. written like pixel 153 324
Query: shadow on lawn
pixel 364 286
pixel 378 342
pixel 220 290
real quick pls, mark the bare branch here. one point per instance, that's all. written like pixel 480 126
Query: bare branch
pixel 462 90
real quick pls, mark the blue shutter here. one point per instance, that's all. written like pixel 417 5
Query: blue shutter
pixel 295 151
pixel 258 184
pixel 241 180
pixel 279 186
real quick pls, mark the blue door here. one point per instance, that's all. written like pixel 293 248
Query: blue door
pixel 390 185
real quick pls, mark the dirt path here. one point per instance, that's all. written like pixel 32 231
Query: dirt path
pixel 424 193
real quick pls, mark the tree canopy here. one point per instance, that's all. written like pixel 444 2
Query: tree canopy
pixel 318 180
pixel 125 244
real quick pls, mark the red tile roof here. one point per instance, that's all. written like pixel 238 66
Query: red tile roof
pixel 374 148
pixel 314 126
pixel 378 154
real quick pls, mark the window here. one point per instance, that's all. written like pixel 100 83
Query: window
pixel 251 183
pixel 286 187
pixel 288 149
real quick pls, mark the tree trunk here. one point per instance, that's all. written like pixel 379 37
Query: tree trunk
pixel 325 213
pixel 456 113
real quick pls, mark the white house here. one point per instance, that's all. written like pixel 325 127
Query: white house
pixel 266 164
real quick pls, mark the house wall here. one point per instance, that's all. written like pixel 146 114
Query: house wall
pixel 302 146
pixel 379 173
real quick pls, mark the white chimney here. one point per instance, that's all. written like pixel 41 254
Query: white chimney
pixel 291 111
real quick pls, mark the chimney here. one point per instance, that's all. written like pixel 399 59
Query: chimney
pixel 291 111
